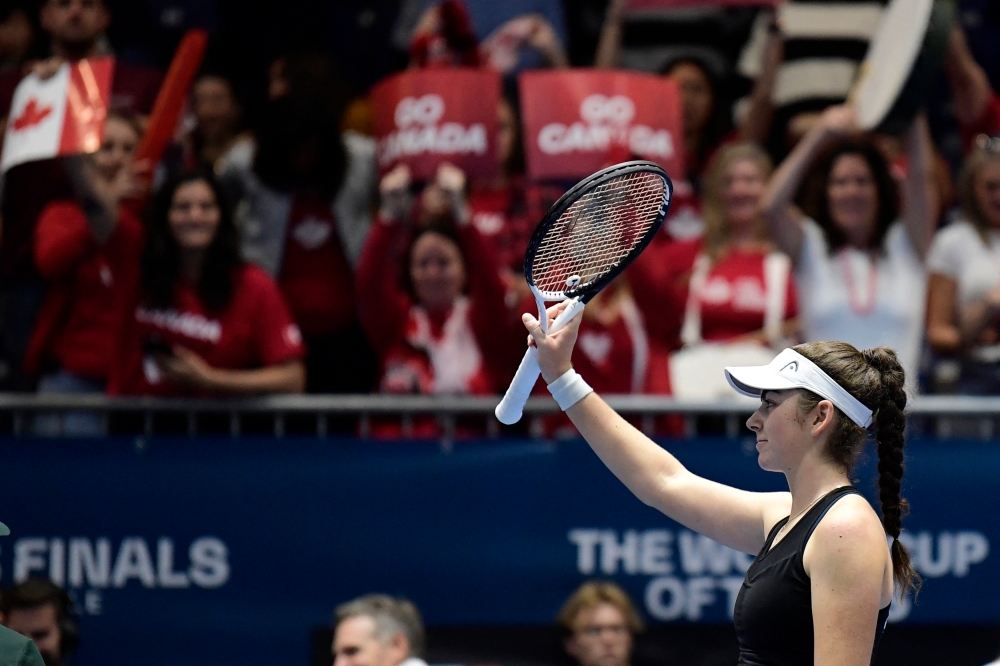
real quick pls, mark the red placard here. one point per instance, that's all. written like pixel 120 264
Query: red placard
pixel 643 5
pixel 429 116
pixel 576 122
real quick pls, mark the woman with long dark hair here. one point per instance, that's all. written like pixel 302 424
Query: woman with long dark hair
pixel 824 577
pixel 858 253
pixel 204 321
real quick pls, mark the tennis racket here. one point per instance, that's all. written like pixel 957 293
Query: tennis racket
pixel 585 241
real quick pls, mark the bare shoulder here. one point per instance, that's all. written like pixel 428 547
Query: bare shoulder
pixel 849 538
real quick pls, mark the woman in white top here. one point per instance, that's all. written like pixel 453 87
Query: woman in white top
pixel 963 304
pixel 859 260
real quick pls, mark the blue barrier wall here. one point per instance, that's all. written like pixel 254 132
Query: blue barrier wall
pixel 227 551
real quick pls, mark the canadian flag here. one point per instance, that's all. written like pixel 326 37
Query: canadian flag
pixel 61 115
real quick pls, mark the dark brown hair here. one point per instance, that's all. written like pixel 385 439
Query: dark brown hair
pixel 816 202
pixel 161 259
pixel 875 377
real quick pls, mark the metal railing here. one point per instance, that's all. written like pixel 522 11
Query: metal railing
pixel 321 415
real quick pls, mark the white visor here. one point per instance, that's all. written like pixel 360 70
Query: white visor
pixel 792 370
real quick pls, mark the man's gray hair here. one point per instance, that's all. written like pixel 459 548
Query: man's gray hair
pixel 391 615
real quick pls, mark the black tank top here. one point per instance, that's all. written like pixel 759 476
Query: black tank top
pixel 773 614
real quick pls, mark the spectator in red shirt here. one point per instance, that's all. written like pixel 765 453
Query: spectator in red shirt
pixel 441 327
pixel 738 292
pixel 76 29
pixel 204 321
pixel 89 260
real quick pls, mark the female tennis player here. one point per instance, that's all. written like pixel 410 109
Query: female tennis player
pixel 820 589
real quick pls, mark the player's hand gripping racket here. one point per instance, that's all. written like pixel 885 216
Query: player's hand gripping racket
pixel 584 242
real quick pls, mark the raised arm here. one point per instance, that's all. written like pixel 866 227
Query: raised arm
pixel 382 305
pixel 970 86
pixel 777 204
pixel 921 201
pixel 610 43
pixel 99 198
pixel 756 123
pixel 736 518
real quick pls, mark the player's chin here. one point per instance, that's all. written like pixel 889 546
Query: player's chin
pixel 764 460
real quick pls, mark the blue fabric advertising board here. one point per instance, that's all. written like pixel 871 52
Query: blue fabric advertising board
pixel 228 551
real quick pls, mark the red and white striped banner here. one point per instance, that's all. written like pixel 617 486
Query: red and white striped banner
pixel 61 115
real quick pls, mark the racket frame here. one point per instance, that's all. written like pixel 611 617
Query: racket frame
pixel 512 405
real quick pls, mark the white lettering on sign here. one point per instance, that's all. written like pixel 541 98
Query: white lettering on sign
pixel 425 110
pixel 604 120
pixel 669 598
pixel 194 326
pixel 949 553
pixel 598 109
pixel 690 573
pixel 83 562
pixel 418 131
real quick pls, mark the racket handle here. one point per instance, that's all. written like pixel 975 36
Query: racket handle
pixel 510 408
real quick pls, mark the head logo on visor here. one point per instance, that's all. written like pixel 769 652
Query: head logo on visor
pixel 792 370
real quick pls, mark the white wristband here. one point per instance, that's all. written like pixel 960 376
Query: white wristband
pixel 569 389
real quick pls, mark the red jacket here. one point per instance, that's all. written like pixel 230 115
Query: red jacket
pixel 82 314
pixel 412 343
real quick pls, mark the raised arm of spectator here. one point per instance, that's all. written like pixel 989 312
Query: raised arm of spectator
pixel 610 44
pixel 783 216
pixel 499 333
pixel 382 305
pixel 755 125
pixel 99 200
pixel 545 41
pixel 503 47
pixel 970 87
pixel 920 204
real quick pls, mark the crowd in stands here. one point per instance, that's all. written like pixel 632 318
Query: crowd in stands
pixel 266 253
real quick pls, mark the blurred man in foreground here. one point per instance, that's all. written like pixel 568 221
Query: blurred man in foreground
pixel 599 625
pixel 42 611
pixel 378 630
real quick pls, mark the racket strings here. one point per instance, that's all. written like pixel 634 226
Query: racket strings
pixel 597 232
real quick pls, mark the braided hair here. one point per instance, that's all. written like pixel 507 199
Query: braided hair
pixel 875 377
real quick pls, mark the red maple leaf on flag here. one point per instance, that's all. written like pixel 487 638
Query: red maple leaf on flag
pixel 32 115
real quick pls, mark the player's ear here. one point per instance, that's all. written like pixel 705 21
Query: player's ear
pixel 821 418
